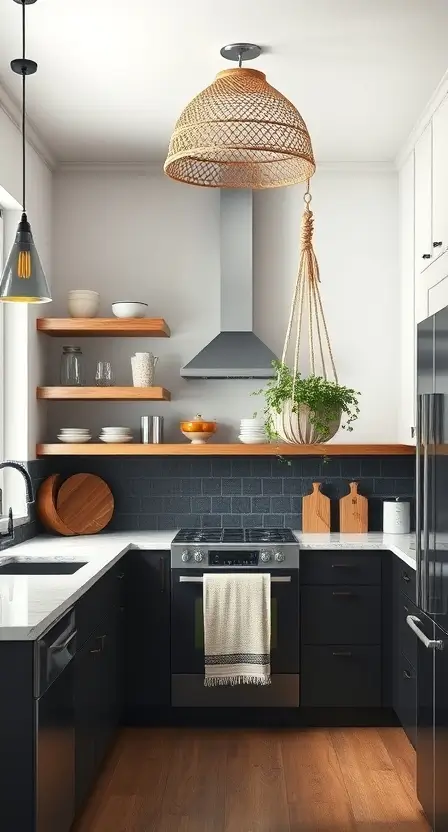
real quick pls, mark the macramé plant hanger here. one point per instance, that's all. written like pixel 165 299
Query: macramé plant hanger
pixel 307 358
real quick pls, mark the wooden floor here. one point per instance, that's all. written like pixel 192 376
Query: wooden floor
pixel 329 780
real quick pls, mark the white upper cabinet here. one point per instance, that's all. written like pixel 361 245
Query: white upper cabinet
pixel 423 200
pixel 440 179
pixel 406 415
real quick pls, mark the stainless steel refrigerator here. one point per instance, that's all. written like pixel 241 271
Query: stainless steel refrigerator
pixel 431 623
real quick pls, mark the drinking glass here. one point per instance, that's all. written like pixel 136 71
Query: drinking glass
pixel 104 376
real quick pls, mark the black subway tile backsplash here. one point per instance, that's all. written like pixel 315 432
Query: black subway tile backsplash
pixel 167 493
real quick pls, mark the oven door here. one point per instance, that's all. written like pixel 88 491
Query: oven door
pixel 187 645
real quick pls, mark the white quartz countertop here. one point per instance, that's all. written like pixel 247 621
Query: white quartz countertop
pixel 29 604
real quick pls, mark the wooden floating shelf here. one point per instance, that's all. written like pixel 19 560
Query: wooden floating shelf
pixel 237 449
pixel 110 394
pixel 105 327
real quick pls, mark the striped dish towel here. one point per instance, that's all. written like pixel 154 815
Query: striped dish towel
pixel 237 628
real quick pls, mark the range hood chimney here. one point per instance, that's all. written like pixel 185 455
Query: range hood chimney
pixel 236 352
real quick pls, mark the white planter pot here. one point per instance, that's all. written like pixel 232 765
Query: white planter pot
pixel 296 427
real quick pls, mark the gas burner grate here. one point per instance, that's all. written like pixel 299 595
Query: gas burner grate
pixel 270 536
pixel 235 535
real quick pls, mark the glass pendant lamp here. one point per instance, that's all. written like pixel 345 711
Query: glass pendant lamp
pixel 23 279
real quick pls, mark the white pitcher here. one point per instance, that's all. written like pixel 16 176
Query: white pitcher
pixel 143 365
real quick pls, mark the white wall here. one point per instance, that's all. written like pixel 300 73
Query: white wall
pixel 140 236
pixel 24 350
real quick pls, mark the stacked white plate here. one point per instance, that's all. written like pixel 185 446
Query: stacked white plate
pixel 252 431
pixel 116 435
pixel 74 435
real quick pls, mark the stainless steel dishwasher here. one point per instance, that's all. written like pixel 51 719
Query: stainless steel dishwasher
pixel 55 735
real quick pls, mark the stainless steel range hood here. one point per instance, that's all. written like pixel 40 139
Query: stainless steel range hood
pixel 236 352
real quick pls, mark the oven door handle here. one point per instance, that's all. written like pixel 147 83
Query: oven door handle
pixel 196 579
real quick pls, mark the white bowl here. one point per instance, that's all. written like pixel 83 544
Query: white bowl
pixel 253 440
pixel 118 430
pixel 129 309
pixel 115 439
pixel 75 438
pixel 83 306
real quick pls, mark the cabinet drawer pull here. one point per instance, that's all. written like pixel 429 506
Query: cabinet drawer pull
pixel 406 674
pixel 346 653
pixel 342 566
pixel 438 243
pixel 426 256
pixel 405 577
pixel 120 576
pixel 344 594
pixel 406 609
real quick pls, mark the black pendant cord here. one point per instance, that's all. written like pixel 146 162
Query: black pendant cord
pixel 23 110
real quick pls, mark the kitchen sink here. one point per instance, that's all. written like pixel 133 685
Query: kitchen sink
pixel 16 566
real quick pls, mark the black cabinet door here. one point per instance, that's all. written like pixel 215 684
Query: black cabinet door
pixel 341 614
pixel 108 685
pixel 147 631
pixel 97 701
pixel 341 676
pixel 405 701
pixel 87 707
pixel 404 651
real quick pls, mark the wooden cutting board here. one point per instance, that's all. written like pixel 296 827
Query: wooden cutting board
pixel 46 506
pixel 85 503
pixel 316 511
pixel 353 511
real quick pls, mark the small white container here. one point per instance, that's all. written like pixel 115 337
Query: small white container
pixel 129 309
pixel 83 303
pixel 396 517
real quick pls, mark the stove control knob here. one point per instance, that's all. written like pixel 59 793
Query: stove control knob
pixel 279 557
pixel 198 556
pixel 186 556
pixel 265 556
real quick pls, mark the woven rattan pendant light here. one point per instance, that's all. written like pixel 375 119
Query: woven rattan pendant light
pixel 240 133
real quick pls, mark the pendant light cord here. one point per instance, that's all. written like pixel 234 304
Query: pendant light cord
pixel 23 110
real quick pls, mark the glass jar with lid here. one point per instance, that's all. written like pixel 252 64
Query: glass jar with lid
pixel 72 367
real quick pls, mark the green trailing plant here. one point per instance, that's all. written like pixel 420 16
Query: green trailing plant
pixel 327 400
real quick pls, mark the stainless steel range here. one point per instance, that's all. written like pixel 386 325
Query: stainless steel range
pixel 196 551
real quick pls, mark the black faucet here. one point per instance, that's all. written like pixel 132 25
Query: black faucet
pixel 9 535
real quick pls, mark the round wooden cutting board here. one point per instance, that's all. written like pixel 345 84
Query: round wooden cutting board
pixel 46 506
pixel 85 503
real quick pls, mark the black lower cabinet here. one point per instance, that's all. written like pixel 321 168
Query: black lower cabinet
pixel 404 651
pixel 147 675
pixel 86 707
pixel 98 705
pixel 341 630
pixel 405 697
pixel 341 676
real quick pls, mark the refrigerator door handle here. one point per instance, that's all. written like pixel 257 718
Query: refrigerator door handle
pixel 418 501
pixel 431 644
pixel 424 421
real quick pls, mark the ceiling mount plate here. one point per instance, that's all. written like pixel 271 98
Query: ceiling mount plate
pixel 23 66
pixel 235 51
pixel 25 2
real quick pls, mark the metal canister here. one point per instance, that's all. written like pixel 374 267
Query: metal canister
pixel 157 429
pixel 145 430
pixel 151 430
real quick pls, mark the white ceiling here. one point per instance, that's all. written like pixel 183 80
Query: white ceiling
pixel 114 74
